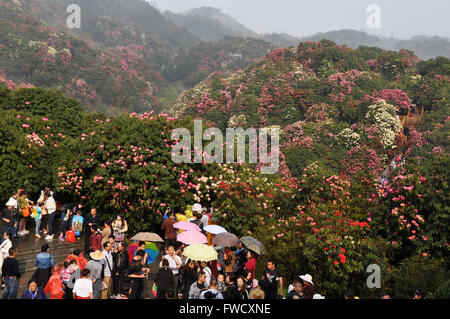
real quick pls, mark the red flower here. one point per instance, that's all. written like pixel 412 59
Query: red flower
pixel 342 257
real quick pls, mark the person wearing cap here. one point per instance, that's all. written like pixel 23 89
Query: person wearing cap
pixel 318 296
pixel 9 217
pixel 308 286
pixel 95 267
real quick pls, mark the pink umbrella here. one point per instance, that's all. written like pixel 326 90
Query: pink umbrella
pixel 190 237
pixel 187 226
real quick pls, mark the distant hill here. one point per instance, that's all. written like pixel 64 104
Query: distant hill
pixel 210 24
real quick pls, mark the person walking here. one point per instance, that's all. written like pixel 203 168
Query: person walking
pixel 108 263
pixel 44 263
pixel 95 269
pixel 83 287
pixel 92 221
pixel 121 263
pixel 11 274
pixel 164 280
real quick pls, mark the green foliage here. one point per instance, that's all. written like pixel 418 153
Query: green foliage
pixel 418 272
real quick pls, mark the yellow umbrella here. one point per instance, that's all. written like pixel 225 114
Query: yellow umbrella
pixel 200 252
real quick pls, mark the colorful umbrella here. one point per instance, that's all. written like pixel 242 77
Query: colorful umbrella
pixel 190 237
pixel 226 240
pixel 214 229
pixel 150 248
pixel 200 252
pixel 186 226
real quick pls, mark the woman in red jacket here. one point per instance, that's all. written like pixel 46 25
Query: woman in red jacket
pixel 251 263
pixel 55 284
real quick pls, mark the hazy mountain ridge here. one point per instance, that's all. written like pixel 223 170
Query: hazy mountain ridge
pixel 200 21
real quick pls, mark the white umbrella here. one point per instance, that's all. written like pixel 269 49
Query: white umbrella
pixel 214 229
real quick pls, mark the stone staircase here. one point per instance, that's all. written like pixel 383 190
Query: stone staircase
pixel 28 247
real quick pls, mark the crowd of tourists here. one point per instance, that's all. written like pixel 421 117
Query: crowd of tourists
pixel 107 268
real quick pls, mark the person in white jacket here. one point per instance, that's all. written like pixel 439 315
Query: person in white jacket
pixel 4 248
pixel 48 214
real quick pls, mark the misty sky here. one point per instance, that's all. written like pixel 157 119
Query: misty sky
pixel 399 18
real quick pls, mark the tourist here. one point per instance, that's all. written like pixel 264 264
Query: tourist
pixel 308 286
pixel 119 228
pixel 54 285
pixel 92 222
pixel 34 291
pixel 297 289
pixel 74 276
pixel 251 263
pixel 4 248
pixel 269 283
pixel 95 268
pixel 241 289
pixel 207 270
pixel 143 246
pixel 95 240
pixel 68 211
pixel 137 272
pixel 175 263
pixel 106 232
pixel 83 287
pixel 199 286
pixel 9 218
pixel 213 291
pixel 170 234
pixel 112 241
pixel 11 274
pixel 164 280
pixel 13 201
pixel 66 271
pixel 229 260
pixel 121 263
pixel 220 282
pixel 189 276
pixel 108 263
pixel 50 208
pixel 24 212
pixel 77 255
pixel 251 283
pixel 77 223
pixel 38 220
pixel 44 263
pixel 230 286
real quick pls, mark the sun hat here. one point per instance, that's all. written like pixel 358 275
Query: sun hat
pixel 197 208
pixel 11 202
pixel 97 255
pixel 307 278
pixel 318 296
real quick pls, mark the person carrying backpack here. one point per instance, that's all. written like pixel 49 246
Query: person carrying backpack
pixel 212 292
